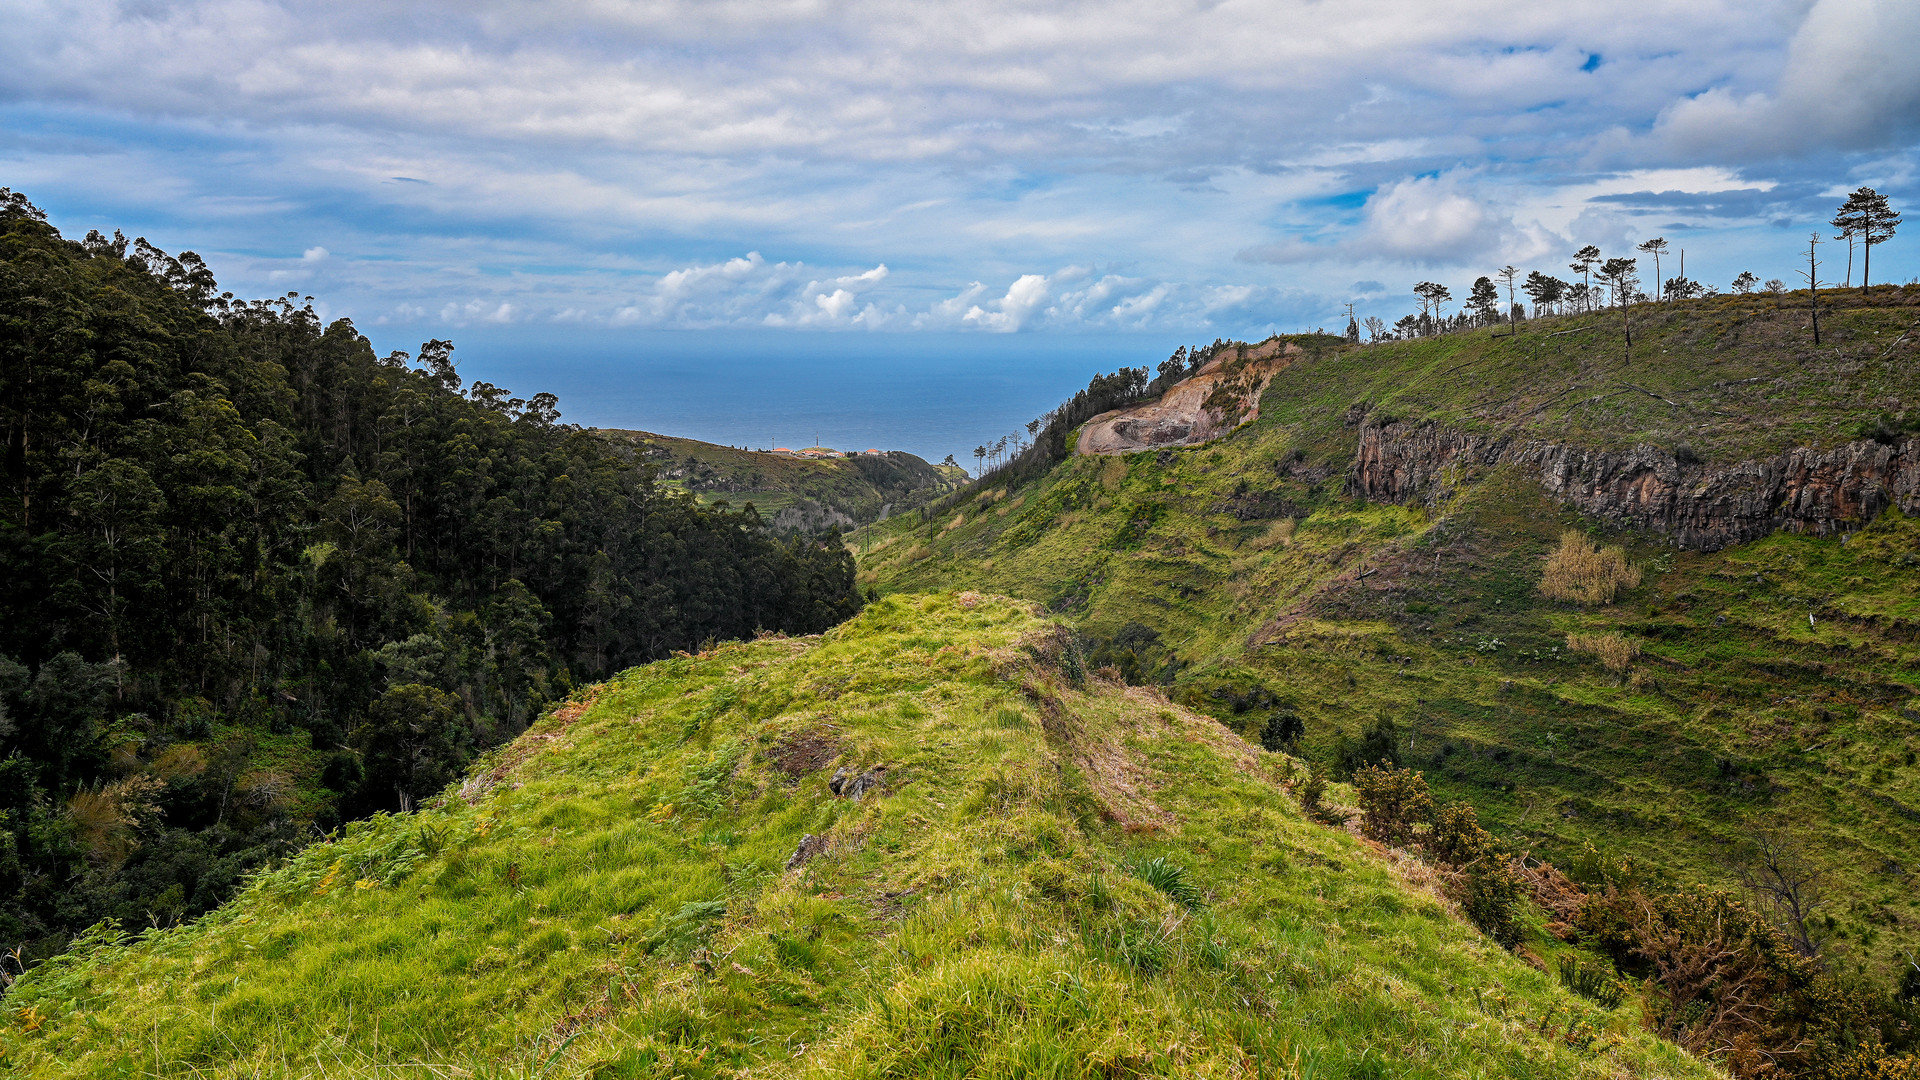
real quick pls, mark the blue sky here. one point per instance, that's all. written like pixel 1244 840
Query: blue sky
pixel 596 172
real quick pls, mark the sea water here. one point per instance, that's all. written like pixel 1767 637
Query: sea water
pixel 929 394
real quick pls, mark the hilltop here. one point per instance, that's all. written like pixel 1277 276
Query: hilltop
pixel 921 844
pixel 1368 555
pixel 795 490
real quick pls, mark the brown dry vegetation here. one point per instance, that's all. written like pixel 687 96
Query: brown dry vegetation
pixel 1586 573
pixel 1616 652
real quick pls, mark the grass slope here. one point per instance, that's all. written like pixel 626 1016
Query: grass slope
pixel 610 896
pixel 808 491
pixel 1739 716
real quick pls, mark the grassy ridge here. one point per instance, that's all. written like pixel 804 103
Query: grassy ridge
pixel 1255 570
pixel 809 490
pixel 611 896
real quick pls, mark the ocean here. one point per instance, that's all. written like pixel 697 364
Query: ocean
pixel 929 394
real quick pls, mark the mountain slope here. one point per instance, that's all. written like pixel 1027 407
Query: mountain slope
pixel 659 880
pixel 1372 549
pixel 793 492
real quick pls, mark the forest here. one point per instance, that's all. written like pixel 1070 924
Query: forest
pixel 260 580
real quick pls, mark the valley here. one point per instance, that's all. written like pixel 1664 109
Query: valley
pixel 1372 547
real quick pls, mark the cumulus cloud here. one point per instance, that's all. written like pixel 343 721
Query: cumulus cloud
pixel 1850 83
pixel 924 165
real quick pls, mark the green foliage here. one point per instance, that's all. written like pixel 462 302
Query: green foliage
pixel 1170 878
pixel 1377 744
pixel 556 919
pixel 1489 890
pixel 1393 802
pixel 287 580
pixel 1592 981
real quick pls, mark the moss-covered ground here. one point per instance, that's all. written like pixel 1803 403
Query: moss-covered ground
pixel 1778 684
pixel 612 896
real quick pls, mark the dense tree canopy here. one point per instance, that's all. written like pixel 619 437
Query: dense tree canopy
pixel 259 577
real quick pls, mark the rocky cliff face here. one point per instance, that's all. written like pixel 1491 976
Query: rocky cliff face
pixel 1700 505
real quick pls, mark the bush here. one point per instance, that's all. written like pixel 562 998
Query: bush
pixel 1488 889
pixel 1392 802
pixel 1612 650
pixel 1283 731
pixel 1591 981
pixel 1377 745
pixel 1457 838
pixel 1585 573
pixel 1314 792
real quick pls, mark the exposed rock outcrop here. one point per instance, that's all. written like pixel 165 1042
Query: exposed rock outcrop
pixel 1221 396
pixel 1701 505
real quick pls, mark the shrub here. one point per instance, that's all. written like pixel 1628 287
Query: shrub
pixel 1487 888
pixel 1457 838
pixel 1612 650
pixel 1314 792
pixel 1377 745
pixel 1283 731
pixel 1591 981
pixel 1392 802
pixel 1586 573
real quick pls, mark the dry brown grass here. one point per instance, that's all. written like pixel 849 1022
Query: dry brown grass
pixel 1586 573
pixel 1278 534
pixel 1616 652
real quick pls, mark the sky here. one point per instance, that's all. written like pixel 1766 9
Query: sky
pixel 597 175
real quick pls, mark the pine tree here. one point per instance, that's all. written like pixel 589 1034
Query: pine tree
pixel 1583 263
pixel 1655 247
pixel 1865 214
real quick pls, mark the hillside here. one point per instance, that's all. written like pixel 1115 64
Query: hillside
pixel 257 579
pixel 791 492
pixel 1372 548
pixel 659 879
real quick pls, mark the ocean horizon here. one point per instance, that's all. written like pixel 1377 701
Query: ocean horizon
pixel 928 394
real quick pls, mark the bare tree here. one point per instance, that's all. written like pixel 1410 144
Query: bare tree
pixel 1507 274
pixel 1376 329
pixel 1847 220
pixel 1812 274
pixel 1655 247
pixel 1788 884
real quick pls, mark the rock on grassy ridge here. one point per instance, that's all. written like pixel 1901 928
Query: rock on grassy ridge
pixel 657 881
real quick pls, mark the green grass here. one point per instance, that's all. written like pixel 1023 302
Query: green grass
pixel 807 487
pixel 1055 880
pixel 1257 570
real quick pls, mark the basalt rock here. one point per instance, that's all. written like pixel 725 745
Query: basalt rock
pixel 1701 505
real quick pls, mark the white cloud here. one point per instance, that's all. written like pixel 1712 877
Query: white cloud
pixel 1850 82
pixel 476 311
pixel 585 162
